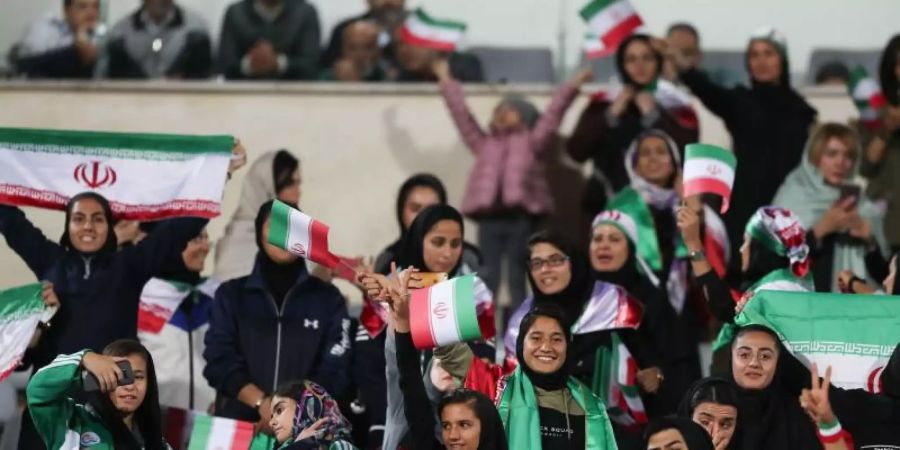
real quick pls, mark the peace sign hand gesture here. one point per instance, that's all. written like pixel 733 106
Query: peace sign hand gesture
pixel 815 400
pixel 398 297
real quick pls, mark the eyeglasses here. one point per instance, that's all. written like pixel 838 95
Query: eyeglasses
pixel 553 261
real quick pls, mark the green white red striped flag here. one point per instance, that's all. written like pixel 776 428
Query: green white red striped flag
pixel 300 234
pixel 854 334
pixel 422 30
pixel 21 309
pixel 445 313
pixel 219 433
pixel 612 20
pixel 144 176
pixel 867 96
pixel 709 169
pixel 594 48
pixel 619 388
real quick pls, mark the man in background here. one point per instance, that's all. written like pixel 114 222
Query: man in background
pixel 62 46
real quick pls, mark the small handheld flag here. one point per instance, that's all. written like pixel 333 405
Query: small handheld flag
pixel 300 234
pixel 594 48
pixel 867 96
pixel 212 433
pixel 611 20
pixel 422 30
pixel 444 314
pixel 709 169
pixel 21 309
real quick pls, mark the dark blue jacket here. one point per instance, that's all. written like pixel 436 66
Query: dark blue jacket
pixel 98 294
pixel 251 340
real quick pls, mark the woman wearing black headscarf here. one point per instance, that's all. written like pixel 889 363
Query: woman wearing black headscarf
pixel 769 124
pixel 769 413
pixel 278 323
pixel 713 404
pixel 120 417
pixel 613 119
pixel 676 433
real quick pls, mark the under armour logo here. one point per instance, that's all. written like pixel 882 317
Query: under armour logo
pixel 314 324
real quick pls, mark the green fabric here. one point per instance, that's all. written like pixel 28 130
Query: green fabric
pixel 18 302
pixel 629 201
pixel 519 412
pixel 806 194
pixel 167 143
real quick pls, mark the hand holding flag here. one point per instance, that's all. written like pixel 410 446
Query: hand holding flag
pixel 300 234
pixel 709 169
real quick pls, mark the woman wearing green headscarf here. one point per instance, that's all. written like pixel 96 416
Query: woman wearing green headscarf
pixel 845 228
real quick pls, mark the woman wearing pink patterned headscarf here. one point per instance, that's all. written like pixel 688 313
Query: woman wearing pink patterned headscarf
pixel 306 417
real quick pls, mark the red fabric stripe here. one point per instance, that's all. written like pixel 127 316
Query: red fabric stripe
pixel 319 253
pixel 486 322
pixel 412 39
pixel 631 312
pixel 708 185
pixel 176 418
pixel 419 319
pixel 243 435
pixel 715 254
pixel 483 377
pixel 621 31
pixel 151 319
pixel 23 196
pixel 370 320
pixel 877 101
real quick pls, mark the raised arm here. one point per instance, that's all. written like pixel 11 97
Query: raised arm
pixel 38 252
pixel 719 100
pixel 48 399
pixel 161 250
pixel 721 303
pixel 472 134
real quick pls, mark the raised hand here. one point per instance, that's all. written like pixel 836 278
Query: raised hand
pixel 399 297
pixel 48 295
pixel 374 285
pixel 649 379
pixel 815 399
pixel 104 368
pixel 689 223
pixel 441 69
pixel 238 157
pixel 582 77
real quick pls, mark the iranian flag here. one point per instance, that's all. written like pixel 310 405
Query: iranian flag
pixel 611 20
pixel 21 309
pixel 300 234
pixel 618 384
pixel 594 47
pixel 422 30
pixel 219 433
pixel 854 334
pixel 867 96
pixel 709 169
pixel 144 176
pixel 444 314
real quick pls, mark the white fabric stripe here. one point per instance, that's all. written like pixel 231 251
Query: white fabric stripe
pixel 72 442
pixel 441 299
pixel 830 432
pixel 139 182
pixel 221 433
pixel 865 89
pixel 299 227
pixel 695 168
pixel 607 308
pixel 592 44
pixel 611 16
pixel 431 32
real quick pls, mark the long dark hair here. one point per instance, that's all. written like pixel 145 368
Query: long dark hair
pixel 147 418
pixel 694 435
pixel 493 436
pixel 887 71
pixel 111 243
pixel 762 262
pixel 283 167
pixel 620 58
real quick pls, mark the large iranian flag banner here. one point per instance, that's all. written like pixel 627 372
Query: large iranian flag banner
pixel 144 176
pixel 855 334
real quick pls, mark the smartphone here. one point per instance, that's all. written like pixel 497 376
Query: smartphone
pixel 428 279
pixel 850 191
pixel 90 383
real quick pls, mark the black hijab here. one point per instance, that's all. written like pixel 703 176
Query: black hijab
pixel 147 418
pixel 546 381
pixel 283 167
pixel 694 435
pixel 111 244
pixel 762 262
pixel 626 276
pixel 425 180
pixel 711 390
pixel 887 71
pixel 890 377
pixel 412 246
pixel 573 298
pixel 620 59
pixel 279 278
pixel 493 435
pixel 896 287
pixel 772 418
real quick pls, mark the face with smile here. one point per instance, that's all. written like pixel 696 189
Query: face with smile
pixel 282 421
pixel 442 247
pixel 609 248
pixel 545 346
pixel 754 357
pixel 127 399
pixel 88 227
pixel 194 254
pixel 460 427
pixel 654 162
pixel 550 269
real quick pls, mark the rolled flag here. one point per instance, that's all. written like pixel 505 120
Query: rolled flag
pixel 594 47
pixel 867 96
pixel 444 313
pixel 300 234
pixel 611 20
pixel 21 309
pixel 219 433
pixel 618 385
pixel 709 169
pixel 144 176
pixel 854 334
pixel 422 30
